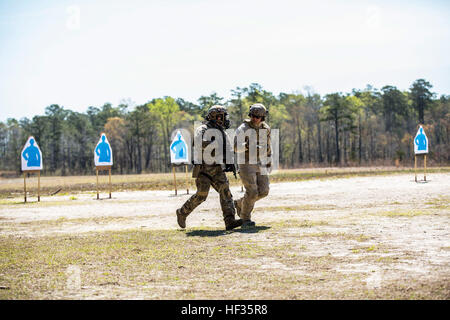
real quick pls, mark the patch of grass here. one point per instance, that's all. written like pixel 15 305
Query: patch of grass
pixel 341 235
pixel 402 213
pixel 62 221
pixel 415 289
pixel 9 202
pixel 298 223
pixel 57 202
pixel 164 181
pixel 33 267
pixel 173 264
pixel 388 259
pixel 369 249
pixel 58 221
pixel 442 202
pixel 295 208
pixel 331 173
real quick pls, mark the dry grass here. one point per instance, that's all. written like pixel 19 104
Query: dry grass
pixel 296 208
pixel 441 202
pixel 195 264
pixel 405 213
pixel 164 181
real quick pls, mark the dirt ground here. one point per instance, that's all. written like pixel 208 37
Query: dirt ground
pixel 359 221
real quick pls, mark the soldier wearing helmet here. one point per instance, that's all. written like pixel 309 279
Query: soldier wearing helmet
pixel 219 116
pixel 254 161
pixel 207 173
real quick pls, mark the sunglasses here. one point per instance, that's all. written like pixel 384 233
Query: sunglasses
pixel 256 117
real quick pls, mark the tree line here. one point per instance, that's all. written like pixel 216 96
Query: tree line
pixel 364 127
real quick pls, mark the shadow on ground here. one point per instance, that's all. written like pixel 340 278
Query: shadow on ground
pixel 216 233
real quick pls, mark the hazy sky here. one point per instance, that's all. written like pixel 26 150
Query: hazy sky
pixel 85 53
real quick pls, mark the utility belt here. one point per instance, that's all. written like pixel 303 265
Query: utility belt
pixel 199 167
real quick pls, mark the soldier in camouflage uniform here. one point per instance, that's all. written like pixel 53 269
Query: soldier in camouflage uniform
pixel 254 174
pixel 212 174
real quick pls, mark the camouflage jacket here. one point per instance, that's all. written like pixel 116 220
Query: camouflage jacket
pixel 203 140
pixel 253 133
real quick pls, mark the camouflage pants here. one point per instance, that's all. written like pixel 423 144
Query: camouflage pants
pixel 256 187
pixel 211 175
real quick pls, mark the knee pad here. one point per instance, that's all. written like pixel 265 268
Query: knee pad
pixel 263 193
pixel 252 194
pixel 201 196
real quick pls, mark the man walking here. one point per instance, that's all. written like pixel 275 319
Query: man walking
pixel 210 173
pixel 254 161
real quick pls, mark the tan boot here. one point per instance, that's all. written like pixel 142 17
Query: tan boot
pixel 248 224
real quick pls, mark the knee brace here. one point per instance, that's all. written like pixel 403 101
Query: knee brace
pixel 263 193
pixel 252 194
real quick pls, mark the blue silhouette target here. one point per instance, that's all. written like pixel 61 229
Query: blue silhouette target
pixel 103 152
pixel 179 150
pixel 421 142
pixel 31 155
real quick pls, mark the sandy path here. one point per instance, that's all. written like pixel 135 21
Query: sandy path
pixel 316 199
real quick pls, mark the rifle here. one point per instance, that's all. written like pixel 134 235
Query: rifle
pixel 228 167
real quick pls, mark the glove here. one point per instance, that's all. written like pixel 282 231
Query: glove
pixel 247 143
pixel 267 168
pixel 229 168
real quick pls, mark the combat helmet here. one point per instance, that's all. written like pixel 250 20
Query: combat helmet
pixel 219 115
pixel 258 110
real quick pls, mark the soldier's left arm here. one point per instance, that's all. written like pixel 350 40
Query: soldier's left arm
pixel 242 147
pixel 269 142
